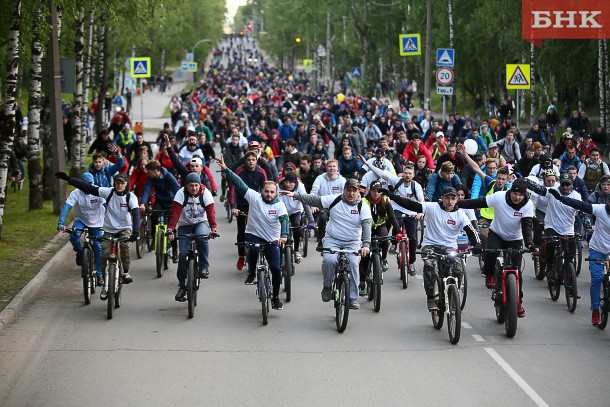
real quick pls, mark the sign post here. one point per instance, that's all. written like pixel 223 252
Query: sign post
pixel 518 77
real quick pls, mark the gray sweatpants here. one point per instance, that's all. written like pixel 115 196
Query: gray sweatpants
pixel 330 260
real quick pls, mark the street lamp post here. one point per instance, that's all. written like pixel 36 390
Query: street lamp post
pixel 195 46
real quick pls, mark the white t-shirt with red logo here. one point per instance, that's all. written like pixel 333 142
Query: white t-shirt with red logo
pixel 263 218
pixel 345 221
pixel 323 185
pixel 442 227
pixel 507 221
pixel 118 214
pixel 87 208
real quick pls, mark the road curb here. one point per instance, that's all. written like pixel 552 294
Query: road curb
pixel 28 292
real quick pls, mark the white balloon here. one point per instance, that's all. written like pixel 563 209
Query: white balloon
pixel 471 146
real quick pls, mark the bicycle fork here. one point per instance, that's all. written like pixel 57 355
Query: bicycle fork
pixel 502 292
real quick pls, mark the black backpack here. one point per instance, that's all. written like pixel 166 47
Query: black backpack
pixel 337 200
pixel 127 198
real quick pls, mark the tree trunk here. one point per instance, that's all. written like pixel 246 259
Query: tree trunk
pixel 86 84
pixel 77 137
pixel 101 54
pixel 607 94
pixel 162 64
pixel 7 129
pixel 451 45
pixel 601 83
pixel 47 150
pixel 115 71
pixel 34 103
pixel 533 84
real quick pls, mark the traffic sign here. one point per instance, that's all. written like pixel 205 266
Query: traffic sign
pixel 444 76
pixel 445 57
pixel 192 67
pixel 444 90
pixel 309 65
pixel 140 67
pixel 410 44
pixel 184 65
pixel 357 73
pixel 190 56
pixel 518 76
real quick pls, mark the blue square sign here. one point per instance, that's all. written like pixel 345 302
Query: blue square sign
pixel 410 44
pixel 357 73
pixel 445 57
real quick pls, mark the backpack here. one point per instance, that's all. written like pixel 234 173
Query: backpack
pixel 186 199
pixel 337 200
pixel 394 188
pixel 127 198
pixel 593 175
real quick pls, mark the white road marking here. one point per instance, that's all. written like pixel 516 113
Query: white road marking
pixel 478 338
pixel 515 376
pixel 466 325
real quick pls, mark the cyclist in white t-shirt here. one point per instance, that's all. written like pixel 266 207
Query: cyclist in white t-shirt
pixel 349 227
pixel 296 209
pixel 267 222
pixel 192 212
pixel 329 183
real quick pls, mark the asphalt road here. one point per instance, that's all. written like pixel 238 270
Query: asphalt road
pixel 59 352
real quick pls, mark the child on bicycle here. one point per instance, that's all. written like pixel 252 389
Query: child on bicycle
pixel 192 212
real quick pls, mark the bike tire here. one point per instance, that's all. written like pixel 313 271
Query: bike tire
pixel 288 272
pixel 369 281
pixel 190 285
pixel 604 296
pixel 86 275
pixel 304 241
pixel 150 238
pixel 454 314
pixel 555 286
pixel 512 304
pixel 262 295
pixel 570 285
pixel 578 256
pixel 498 305
pixel 112 275
pixel 159 254
pixel 92 273
pixel 438 315
pixel 481 262
pixel 342 303
pixel 538 269
pixel 402 263
pixel 463 288
pixel 229 213
pixel 377 282
pixel 421 227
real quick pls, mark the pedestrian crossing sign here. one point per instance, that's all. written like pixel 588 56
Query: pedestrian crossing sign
pixel 518 76
pixel 410 44
pixel 309 65
pixel 192 67
pixel 140 67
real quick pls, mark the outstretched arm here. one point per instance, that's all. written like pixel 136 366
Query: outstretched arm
pixel 586 207
pixel 473 203
pixel 462 151
pixel 404 202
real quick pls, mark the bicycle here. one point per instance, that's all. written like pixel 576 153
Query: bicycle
pixel 161 241
pixel 304 236
pixel 604 294
pixel 446 289
pixel 402 251
pixel 374 275
pixel 192 275
pixel 421 228
pixel 113 271
pixel 287 265
pixel 340 287
pixel 481 260
pixel 144 237
pixel 263 279
pixel 565 272
pixel 505 293
pixel 88 273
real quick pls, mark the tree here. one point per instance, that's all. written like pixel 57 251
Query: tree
pixel 77 137
pixel 34 106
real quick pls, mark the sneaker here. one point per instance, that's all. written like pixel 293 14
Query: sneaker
pixel 432 304
pixel 595 320
pixel 320 246
pixel 174 256
pixel 489 281
pixel 392 249
pixel 384 265
pixel 204 273
pixel 100 281
pixel 181 295
pixel 127 278
pixel 362 290
pixel 411 269
pixel 79 259
pixel 222 197
pixel 241 262
pixel 353 304
pixel 103 295
pixel 277 304
pixel 521 311
pixel 297 257
pixel 250 279
pixel 326 294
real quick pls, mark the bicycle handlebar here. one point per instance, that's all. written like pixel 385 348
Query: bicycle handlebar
pixel 336 251
pixel 111 238
pixel 194 236
pixel 520 251
pixel 259 246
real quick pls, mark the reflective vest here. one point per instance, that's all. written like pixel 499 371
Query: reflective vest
pixel 488 213
pixel 126 139
pixel 380 221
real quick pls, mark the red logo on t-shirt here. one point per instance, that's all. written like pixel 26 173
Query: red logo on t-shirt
pixel 518 214
pixel 272 212
pixel 124 205
pixel 93 201
pixel 451 221
pixel 354 212
pixel 335 188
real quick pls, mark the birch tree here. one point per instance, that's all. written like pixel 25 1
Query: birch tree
pixel 86 85
pixel 79 44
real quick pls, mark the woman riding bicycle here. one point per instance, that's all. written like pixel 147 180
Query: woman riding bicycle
pixel 192 212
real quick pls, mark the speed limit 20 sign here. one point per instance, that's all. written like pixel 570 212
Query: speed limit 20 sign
pixel 444 76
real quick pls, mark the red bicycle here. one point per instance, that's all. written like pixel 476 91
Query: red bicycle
pixel 402 252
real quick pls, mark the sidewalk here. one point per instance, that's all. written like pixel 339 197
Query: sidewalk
pixel 155 104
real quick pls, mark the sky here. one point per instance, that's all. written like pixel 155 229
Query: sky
pixel 232 6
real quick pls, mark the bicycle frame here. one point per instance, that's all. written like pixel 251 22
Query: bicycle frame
pixel 161 228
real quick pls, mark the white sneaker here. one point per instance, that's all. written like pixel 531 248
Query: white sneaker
pixel 411 269
pixel 297 257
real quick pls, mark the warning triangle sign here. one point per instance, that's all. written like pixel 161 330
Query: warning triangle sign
pixel 409 46
pixel 140 68
pixel 518 78
pixel 445 58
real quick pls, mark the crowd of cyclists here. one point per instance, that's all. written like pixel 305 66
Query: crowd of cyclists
pixel 352 167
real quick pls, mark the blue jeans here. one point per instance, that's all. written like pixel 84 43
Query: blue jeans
pixel 202 229
pixel 97 246
pixel 272 254
pixel 597 273
pixel 329 262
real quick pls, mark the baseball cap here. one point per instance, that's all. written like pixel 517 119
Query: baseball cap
pixel 376 186
pixel 253 144
pixel 565 178
pixel 196 160
pixel 449 191
pixel 352 182
pixel 440 134
pixel 87 177
pixel 291 177
pixel 312 127
pixel 492 144
pixel 567 135
pixel 184 114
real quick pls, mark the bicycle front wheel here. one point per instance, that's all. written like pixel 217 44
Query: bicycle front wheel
pixel 555 286
pixel 538 268
pixel 190 292
pixel 463 288
pixel 578 256
pixel 438 315
pixel 229 213
pixel 376 282
pixel 403 262
pixel 570 285
pixel 454 314
pixel 86 274
pixel 112 276
pixel 604 295
pixel 288 272
pixel 262 295
pixel 304 241
pixel 342 303
pixel 512 301
pixel 421 227
pixel 159 255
